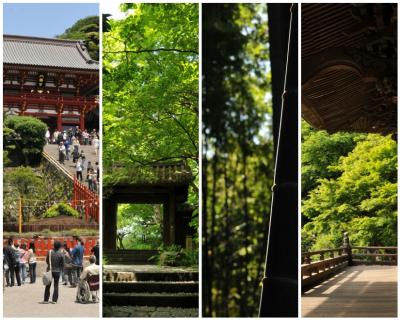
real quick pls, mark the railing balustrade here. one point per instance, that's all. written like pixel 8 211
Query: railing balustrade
pixel 317 266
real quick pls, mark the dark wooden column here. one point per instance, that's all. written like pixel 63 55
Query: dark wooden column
pixel 172 213
pixel 109 224
pixel 280 284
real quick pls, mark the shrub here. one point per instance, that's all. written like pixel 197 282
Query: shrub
pixel 175 256
pixel 59 210
pixel 25 139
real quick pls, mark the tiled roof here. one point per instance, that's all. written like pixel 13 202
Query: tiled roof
pixel 157 174
pixel 71 54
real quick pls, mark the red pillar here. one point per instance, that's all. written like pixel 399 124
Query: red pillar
pixel 82 121
pixel 59 121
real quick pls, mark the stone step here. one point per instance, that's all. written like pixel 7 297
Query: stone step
pixel 176 300
pixel 166 276
pixel 130 257
pixel 151 286
pixel 148 312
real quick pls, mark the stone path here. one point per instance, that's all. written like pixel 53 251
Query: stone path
pixel 24 301
pixel 154 312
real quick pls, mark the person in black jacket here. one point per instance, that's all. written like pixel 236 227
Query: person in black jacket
pixel 95 251
pixel 10 260
pixel 57 265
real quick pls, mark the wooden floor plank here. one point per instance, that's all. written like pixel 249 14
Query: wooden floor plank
pixel 358 291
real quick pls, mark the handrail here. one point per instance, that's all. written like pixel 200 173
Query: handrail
pixel 57 165
pixel 314 272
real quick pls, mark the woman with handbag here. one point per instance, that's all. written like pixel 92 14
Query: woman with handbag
pixel 55 264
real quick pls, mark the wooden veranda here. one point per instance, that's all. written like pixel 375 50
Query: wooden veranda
pixel 350 282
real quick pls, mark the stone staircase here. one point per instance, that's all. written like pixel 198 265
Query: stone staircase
pixel 154 290
pixel 129 257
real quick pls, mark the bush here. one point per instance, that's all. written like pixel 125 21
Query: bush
pixel 176 256
pixel 25 139
pixel 60 209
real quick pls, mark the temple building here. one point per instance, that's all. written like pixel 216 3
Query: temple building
pixel 349 67
pixel 50 79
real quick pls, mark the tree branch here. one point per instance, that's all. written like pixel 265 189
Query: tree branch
pixel 153 50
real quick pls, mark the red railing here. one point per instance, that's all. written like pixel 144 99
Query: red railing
pixel 42 246
pixel 85 201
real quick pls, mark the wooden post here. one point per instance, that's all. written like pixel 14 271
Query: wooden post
pixel 59 121
pixel 347 247
pixel 279 296
pixel 82 120
pixel 20 215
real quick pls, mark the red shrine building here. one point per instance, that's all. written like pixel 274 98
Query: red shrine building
pixel 50 79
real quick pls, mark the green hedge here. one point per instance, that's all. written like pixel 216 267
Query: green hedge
pixel 60 209
pixel 24 139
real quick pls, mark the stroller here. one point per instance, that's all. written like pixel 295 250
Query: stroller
pixel 88 289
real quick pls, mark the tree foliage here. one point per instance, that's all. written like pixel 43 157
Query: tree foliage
pixel 356 191
pixel 150 89
pixel 87 30
pixel 23 139
pixel 139 226
pixel 237 156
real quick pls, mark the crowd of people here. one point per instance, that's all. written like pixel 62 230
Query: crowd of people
pixel 66 265
pixel 69 142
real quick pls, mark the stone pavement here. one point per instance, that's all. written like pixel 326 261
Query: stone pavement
pixel 24 301
pixel 144 312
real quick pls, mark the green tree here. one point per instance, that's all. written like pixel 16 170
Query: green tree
pixel 24 139
pixel 361 198
pixel 320 150
pixel 237 156
pixel 150 89
pixel 87 30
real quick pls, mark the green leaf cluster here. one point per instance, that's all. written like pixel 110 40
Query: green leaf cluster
pixel 150 91
pixel 87 30
pixel 237 156
pixel 355 190
pixel 61 209
pixel 24 139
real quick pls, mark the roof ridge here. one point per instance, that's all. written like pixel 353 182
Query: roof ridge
pixel 66 42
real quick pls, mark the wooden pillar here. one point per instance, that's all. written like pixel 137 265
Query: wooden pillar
pixel 347 248
pixel 279 297
pixel 59 121
pixel 172 217
pixel 82 119
pixel 110 209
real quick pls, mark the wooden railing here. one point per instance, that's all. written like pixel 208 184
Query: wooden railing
pixel 318 266
pixel 85 200
pixel 374 255
pixel 328 263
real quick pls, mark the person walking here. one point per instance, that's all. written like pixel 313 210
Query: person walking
pixel 77 257
pixel 32 262
pixel 61 153
pixel 23 253
pixel 55 264
pixel 17 267
pixel 96 144
pixel 68 268
pixel 95 251
pixel 9 260
pixel 79 169
pixel 47 136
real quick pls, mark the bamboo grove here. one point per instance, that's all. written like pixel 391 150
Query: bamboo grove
pixel 237 156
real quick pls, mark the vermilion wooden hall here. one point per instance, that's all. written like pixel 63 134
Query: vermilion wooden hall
pixel 51 79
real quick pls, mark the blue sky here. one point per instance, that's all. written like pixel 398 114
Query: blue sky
pixel 44 19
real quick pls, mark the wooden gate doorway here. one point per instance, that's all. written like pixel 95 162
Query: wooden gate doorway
pixel 167 186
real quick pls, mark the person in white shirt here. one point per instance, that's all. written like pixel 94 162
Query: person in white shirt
pixel 91 270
